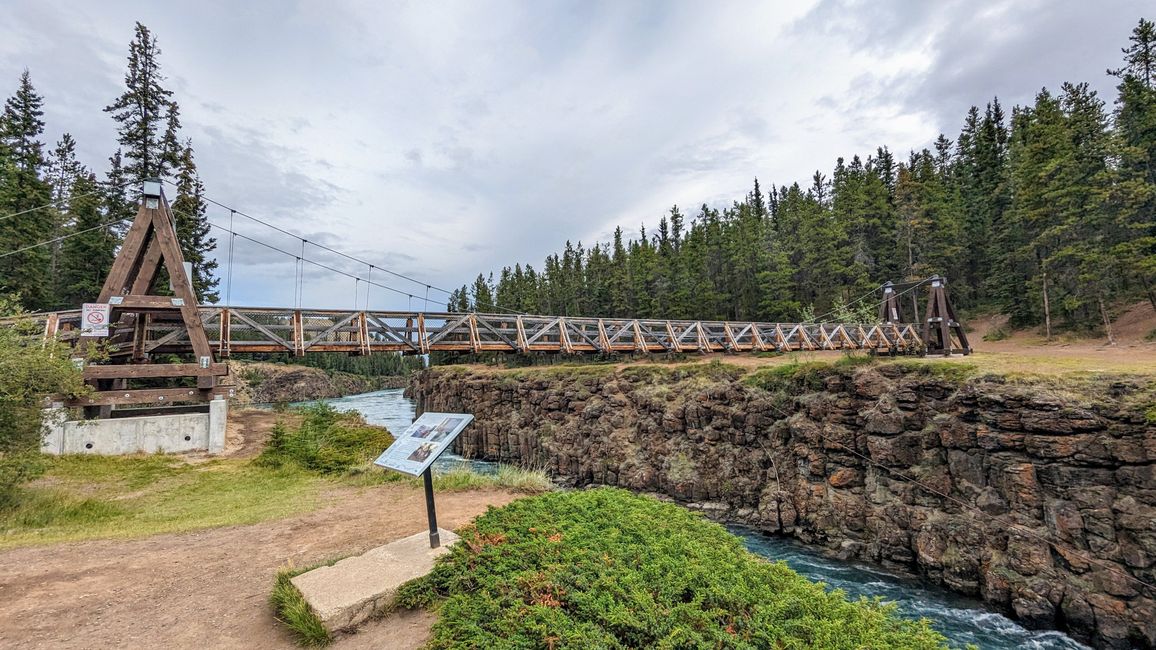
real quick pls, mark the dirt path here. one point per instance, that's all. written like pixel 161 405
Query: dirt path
pixel 208 589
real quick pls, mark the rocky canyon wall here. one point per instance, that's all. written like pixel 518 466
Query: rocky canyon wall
pixel 817 451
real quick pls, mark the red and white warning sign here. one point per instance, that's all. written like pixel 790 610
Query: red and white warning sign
pixel 94 319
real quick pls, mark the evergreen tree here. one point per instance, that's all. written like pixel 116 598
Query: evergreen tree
pixel 117 206
pixel 1048 218
pixel 483 296
pixel 141 111
pixel 1133 200
pixel 193 229
pixel 86 256
pixel 25 194
pixel 63 172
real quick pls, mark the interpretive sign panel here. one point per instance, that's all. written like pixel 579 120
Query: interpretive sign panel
pixel 94 319
pixel 417 448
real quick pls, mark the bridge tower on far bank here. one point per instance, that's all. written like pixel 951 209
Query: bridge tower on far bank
pixel 942 331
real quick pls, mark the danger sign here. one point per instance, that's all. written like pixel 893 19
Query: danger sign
pixel 94 319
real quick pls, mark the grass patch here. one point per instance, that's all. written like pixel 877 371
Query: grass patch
pixel 54 508
pixel 947 370
pixel 507 477
pixel 327 441
pixel 792 378
pixel 83 497
pixel 606 568
pixel 94 497
pixel 290 608
pixel 714 370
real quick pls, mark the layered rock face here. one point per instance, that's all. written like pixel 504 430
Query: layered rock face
pixel 1039 498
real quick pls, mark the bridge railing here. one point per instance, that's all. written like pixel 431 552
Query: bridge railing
pixel 302 331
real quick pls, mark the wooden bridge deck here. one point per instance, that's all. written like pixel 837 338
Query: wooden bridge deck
pixel 300 331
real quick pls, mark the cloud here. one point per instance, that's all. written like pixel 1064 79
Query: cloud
pixel 444 139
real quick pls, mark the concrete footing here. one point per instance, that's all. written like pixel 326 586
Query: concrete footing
pixel 356 589
pixel 130 435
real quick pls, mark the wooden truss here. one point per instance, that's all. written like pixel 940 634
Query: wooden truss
pixel 137 313
pixel 234 330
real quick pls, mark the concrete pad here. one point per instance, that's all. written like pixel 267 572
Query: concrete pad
pixel 357 588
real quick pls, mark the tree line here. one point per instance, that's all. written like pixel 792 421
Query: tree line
pixel 49 196
pixel 1049 216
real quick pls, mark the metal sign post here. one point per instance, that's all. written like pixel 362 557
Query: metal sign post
pixel 430 511
pixel 415 450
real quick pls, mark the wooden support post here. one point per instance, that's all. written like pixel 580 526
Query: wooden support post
pixel 674 344
pixel 730 338
pixel 298 334
pixel 225 335
pixel 474 343
pixel 603 339
pixel 363 335
pixel 520 335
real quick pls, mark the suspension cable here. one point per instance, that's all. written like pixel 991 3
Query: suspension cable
pixel 342 254
pixel 69 198
pixel 63 237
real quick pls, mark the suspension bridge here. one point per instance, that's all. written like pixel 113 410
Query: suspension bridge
pixel 144 326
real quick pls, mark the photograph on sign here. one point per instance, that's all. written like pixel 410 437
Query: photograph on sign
pixel 419 445
pixel 94 319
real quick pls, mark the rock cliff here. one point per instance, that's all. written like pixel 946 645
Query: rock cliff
pixel 1036 496
pixel 270 383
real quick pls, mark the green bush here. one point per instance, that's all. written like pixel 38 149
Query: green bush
pixel 30 371
pixel 606 568
pixel 996 334
pixel 327 441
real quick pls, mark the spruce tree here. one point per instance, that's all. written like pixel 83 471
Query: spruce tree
pixel 1133 201
pixel 142 110
pixel 86 256
pixel 63 171
pixel 23 190
pixel 193 229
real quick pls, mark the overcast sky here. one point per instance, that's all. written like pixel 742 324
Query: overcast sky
pixel 440 139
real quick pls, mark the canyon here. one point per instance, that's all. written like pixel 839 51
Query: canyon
pixel 1034 494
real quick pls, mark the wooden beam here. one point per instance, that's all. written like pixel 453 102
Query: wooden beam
pixel 143 370
pixel 146 396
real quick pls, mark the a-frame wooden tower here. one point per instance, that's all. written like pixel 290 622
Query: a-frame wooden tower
pixel 129 376
pixel 942 331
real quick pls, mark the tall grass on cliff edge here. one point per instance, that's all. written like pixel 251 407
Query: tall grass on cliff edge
pixel 605 568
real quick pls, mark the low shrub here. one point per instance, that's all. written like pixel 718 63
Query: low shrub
pixel 996 334
pixel 605 568
pixel 327 441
